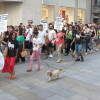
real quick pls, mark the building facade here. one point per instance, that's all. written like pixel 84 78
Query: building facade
pixel 24 10
pixel 95 11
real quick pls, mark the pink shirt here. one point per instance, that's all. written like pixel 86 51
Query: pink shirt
pixel 59 38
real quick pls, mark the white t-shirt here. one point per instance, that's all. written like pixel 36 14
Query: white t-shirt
pixel 51 34
pixel 36 43
pixel 29 33
pixel 87 31
pixel 42 35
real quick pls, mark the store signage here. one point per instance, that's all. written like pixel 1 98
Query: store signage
pixel 3 22
pixel 58 25
pixel 45 25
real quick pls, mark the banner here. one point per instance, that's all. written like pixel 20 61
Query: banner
pixel 45 25
pixel 58 25
pixel 3 22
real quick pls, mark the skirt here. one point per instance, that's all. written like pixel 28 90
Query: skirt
pixel 9 65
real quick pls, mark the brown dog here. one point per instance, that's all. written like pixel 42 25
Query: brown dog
pixel 53 74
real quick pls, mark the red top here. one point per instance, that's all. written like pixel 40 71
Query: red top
pixel 59 38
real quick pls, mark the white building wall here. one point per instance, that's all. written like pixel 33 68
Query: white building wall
pixel 67 3
pixel 32 10
pixel 14 11
pixel 49 2
pixel 82 4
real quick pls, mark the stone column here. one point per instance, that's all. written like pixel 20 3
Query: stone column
pixel 88 11
pixel 56 9
pixel 76 11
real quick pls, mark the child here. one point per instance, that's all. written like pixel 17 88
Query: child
pixel 37 45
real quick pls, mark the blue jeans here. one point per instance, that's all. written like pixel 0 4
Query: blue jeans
pixel 78 48
pixel 87 44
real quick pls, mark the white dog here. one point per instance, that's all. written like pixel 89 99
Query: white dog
pixel 53 74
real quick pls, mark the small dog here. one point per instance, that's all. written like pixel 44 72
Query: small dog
pixel 53 74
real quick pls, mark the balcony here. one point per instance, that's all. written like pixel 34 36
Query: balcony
pixel 11 0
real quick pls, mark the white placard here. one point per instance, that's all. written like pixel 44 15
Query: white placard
pixel 45 25
pixel 3 22
pixel 58 25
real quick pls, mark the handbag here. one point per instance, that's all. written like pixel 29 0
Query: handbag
pixel 63 46
pixel 24 53
pixel 5 52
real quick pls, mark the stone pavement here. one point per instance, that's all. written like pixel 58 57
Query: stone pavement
pixel 78 81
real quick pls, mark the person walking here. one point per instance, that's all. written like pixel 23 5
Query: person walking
pixel 20 39
pixel 9 66
pixel 59 42
pixel 37 45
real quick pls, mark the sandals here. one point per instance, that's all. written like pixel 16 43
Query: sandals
pixel 12 77
pixel 37 70
pixel 29 70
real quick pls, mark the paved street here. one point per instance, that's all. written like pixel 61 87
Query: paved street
pixel 78 81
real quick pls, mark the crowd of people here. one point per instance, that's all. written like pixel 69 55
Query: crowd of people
pixel 77 40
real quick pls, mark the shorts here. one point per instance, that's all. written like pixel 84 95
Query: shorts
pixel 50 45
pixel 78 48
pixel 44 47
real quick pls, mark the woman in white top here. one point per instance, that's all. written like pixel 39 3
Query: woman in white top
pixel 37 45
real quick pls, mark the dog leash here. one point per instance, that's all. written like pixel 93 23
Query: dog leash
pixel 48 65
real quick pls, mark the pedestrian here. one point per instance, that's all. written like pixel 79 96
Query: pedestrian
pixel 78 46
pixel 37 45
pixel 29 33
pixel 59 43
pixel 20 39
pixel 43 36
pixel 51 37
pixel 69 38
pixel 88 34
pixel 9 66
pixel 5 40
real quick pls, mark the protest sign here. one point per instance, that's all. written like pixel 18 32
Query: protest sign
pixel 45 25
pixel 58 25
pixel 3 22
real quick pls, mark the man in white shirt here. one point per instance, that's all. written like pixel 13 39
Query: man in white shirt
pixel 51 37
pixel 43 35
pixel 28 44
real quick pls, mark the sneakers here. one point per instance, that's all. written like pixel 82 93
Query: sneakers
pixel 97 50
pixel 59 60
pixel 86 53
pixel 78 59
pixel 51 56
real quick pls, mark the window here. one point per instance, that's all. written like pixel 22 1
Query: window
pixel 98 2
